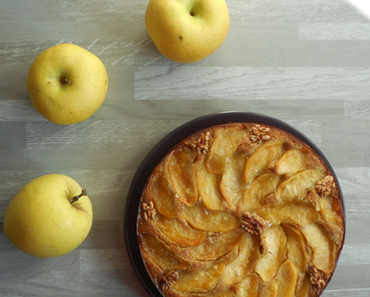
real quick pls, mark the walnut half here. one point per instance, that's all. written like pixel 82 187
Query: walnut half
pixel 253 223
pixel 325 187
pixel 317 280
pixel 259 133
pixel 149 210
pixel 166 281
pixel 202 144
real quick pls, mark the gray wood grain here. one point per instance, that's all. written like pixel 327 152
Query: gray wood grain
pixel 331 31
pixel 291 11
pixel 355 254
pixel 242 83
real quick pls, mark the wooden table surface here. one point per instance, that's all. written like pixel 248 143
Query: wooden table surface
pixel 306 62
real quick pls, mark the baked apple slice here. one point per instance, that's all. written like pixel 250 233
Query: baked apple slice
pixel 232 184
pixel 224 145
pixel 209 190
pixel 295 213
pixel 161 255
pixel 242 265
pixel 322 245
pixel 263 157
pixel 179 232
pixel 270 290
pixel 329 211
pixel 303 286
pixel 248 286
pixel 273 242
pixel 213 221
pixel 201 281
pixel 296 248
pixel 259 188
pixel 296 186
pixel 286 279
pixel 181 168
pixel 163 194
pixel 291 162
pixel 225 293
pixel 216 246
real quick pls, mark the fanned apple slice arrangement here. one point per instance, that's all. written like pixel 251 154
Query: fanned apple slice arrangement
pixel 241 210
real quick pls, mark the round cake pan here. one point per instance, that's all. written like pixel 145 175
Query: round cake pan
pixel 160 150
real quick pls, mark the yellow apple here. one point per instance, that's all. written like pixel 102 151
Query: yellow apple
pixel 67 84
pixel 49 217
pixel 187 31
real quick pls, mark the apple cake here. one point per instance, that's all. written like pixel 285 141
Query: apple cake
pixel 241 209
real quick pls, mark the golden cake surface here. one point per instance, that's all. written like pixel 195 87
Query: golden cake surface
pixel 241 210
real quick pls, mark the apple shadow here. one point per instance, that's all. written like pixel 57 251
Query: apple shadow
pixel 105 250
pixel 13 83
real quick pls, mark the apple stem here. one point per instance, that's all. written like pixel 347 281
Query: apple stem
pixel 66 81
pixel 77 197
